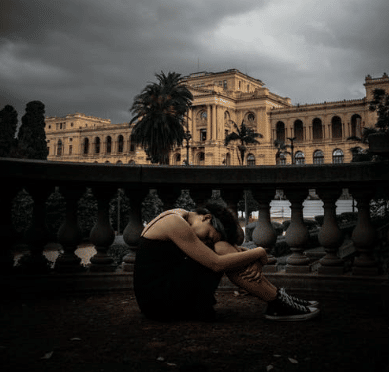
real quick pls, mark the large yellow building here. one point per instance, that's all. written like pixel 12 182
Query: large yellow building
pixel 320 131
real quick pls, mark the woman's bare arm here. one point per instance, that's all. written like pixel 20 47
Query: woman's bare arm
pixel 178 230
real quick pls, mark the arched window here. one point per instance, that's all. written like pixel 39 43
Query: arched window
pixel 119 162
pixel 318 157
pixel 200 158
pixel 120 144
pixel 226 117
pixel 131 162
pixel 97 145
pixel 317 129
pixel 356 125
pixel 336 124
pixel 250 119
pixel 299 157
pixel 337 156
pixel 59 148
pixel 109 145
pixel 281 159
pixel 299 130
pixel 250 159
pixel 280 131
pixel 86 146
pixel 177 159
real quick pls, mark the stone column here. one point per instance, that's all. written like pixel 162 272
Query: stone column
pixel 209 122
pixel 169 196
pixel 102 234
pixel 214 123
pixel 364 235
pixel 264 234
pixel 200 195
pixel 330 235
pixel 70 234
pixel 297 234
pixel 37 235
pixel 133 230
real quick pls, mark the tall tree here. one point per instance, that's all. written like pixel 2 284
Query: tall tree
pixel 246 136
pixel 32 136
pixel 8 124
pixel 282 149
pixel 159 115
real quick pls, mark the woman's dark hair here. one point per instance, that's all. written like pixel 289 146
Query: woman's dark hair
pixel 230 224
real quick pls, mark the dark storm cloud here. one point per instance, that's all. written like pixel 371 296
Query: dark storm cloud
pixel 94 56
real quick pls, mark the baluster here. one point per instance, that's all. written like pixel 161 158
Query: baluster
pixel 169 196
pixel 297 234
pixel 264 234
pixel 200 195
pixel 37 234
pixel 232 198
pixel 330 235
pixel 131 233
pixel 102 234
pixel 70 234
pixel 364 236
pixel 7 231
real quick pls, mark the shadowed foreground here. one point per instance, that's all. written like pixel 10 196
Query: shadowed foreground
pixel 106 332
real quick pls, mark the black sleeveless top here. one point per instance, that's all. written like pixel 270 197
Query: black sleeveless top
pixel 169 285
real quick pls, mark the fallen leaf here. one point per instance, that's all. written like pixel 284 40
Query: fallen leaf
pixel 293 360
pixel 75 339
pixel 47 355
pixel 269 368
pixel 160 359
pixel 171 364
pixel 277 356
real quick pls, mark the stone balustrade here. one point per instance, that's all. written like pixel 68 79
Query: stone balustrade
pixel 40 178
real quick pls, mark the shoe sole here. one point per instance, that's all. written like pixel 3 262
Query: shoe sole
pixel 294 318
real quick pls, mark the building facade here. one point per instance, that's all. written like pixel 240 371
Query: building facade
pixel 318 132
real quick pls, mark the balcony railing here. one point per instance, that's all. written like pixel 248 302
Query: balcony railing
pixel 39 179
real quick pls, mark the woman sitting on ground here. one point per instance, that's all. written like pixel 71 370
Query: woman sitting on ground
pixel 182 257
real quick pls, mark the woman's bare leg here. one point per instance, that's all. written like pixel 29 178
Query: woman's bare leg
pixel 249 278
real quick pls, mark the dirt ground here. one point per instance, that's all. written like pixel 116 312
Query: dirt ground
pixel 107 333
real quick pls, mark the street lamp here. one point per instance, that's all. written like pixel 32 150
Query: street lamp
pixel 292 139
pixel 187 138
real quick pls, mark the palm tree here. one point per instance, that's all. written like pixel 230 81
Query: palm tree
pixel 159 114
pixel 245 135
pixel 282 149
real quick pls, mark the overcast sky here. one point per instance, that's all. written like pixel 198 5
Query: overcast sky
pixel 94 56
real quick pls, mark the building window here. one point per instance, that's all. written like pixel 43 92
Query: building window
pixel 59 148
pixel 203 135
pixel 337 156
pixel 109 145
pixel 299 130
pixel 356 126
pixel 318 157
pixel 201 158
pixel 225 84
pixel 70 149
pixel 336 125
pixel 281 159
pixel 280 131
pixel 317 129
pixel 299 158
pixel 97 145
pixel 250 159
pixel 120 144
pixel 86 146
